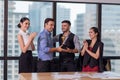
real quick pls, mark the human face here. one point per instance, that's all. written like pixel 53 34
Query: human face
pixel 65 27
pixel 25 25
pixel 49 26
pixel 92 34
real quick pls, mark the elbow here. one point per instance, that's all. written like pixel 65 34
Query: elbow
pixel 45 50
pixel 33 49
pixel 82 52
pixel 76 51
pixel 96 57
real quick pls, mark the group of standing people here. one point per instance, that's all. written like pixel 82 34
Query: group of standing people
pixel 90 53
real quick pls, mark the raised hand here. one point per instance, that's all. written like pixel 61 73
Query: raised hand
pixel 33 35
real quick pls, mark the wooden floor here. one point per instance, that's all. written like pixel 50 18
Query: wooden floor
pixel 64 76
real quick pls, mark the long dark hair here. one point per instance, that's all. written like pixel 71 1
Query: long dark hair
pixel 95 29
pixel 22 20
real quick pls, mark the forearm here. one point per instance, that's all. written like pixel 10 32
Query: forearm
pixel 74 51
pixel 30 41
pixel 25 48
pixel 53 50
pixel 70 50
pixel 92 54
pixel 82 52
pixel 33 47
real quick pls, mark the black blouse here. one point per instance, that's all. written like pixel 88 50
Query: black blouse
pixel 92 62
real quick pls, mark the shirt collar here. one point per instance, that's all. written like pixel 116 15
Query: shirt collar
pixel 68 34
pixel 25 33
pixel 49 33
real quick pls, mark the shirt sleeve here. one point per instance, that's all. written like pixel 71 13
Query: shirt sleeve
pixel 56 38
pixel 42 41
pixel 77 43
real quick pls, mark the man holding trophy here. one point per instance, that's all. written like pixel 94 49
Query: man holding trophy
pixel 70 44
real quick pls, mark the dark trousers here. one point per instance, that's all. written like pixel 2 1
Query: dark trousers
pixel 67 67
pixel 25 62
pixel 44 66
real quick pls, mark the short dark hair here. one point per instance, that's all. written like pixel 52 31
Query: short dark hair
pixel 47 20
pixel 66 21
pixel 22 20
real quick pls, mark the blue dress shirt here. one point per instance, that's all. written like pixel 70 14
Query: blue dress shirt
pixel 44 44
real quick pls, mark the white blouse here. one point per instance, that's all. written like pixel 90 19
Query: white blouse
pixel 25 36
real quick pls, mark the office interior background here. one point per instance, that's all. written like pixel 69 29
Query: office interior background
pixel 82 14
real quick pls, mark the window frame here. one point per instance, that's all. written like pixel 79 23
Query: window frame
pixel 5 58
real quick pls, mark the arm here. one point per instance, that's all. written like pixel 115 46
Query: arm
pixel 77 46
pixel 33 47
pixel 44 47
pixel 56 38
pixel 94 55
pixel 83 51
pixel 83 48
pixel 21 42
pixel 70 50
pixel 58 49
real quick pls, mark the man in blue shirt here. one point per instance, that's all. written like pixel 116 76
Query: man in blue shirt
pixel 45 47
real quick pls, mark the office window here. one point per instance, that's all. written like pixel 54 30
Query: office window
pixel 111 31
pixel 35 11
pixel 12 70
pixel 1 27
pixel 82 17
pixel 115 65
pixel 1 70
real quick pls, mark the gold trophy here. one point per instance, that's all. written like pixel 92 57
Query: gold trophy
pixel 63 43
pixel 63 38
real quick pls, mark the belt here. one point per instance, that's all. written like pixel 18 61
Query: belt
pixel 45 60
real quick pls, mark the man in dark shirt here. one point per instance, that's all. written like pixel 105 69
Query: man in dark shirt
pixel 70 43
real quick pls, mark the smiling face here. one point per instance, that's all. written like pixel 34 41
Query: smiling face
pixel 65 27
pixel 49 26
pixel 92 34
pixel 25 25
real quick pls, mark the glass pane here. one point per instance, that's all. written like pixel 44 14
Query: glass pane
pixel 1 70
pixel 82 17
pixel 12 70
pixel 115 65
pixel 1 27
pixel 35 11
pixel 111 29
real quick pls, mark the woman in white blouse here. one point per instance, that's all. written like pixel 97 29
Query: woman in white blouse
pixel 25 40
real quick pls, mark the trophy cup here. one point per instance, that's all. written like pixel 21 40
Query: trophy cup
pixel 63 43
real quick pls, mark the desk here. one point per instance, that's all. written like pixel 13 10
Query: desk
pixel 62 76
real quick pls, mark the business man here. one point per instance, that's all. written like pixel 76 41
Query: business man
pixel 45 47
pixel 70 42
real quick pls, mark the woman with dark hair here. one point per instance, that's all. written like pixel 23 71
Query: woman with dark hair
pixel 92 52
pixel 25 40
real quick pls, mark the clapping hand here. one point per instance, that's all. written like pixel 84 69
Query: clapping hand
pixel 85 43
pixel 33 35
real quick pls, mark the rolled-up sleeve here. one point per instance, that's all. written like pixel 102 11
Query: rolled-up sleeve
pixel 77 43
pixel 43 44
pixel 56 38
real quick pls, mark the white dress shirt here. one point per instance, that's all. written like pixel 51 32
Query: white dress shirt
pixel 25 36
